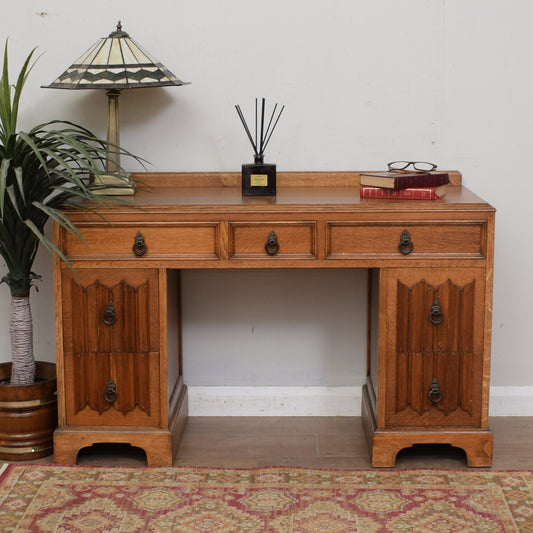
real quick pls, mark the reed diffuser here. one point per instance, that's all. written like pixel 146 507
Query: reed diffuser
pixel 259 178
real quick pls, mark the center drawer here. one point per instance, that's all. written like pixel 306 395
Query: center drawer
pixel 261 240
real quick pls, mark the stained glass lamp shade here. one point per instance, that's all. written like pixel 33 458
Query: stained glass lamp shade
pixel 114 63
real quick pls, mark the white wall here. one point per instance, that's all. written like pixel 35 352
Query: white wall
pixel 364 82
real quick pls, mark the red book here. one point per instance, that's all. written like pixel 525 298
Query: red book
pixel 412 193
pixel 397 180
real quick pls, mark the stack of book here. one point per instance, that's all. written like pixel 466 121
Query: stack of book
pixel 401 184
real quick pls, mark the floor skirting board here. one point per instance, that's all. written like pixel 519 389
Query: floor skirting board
pixel 322 401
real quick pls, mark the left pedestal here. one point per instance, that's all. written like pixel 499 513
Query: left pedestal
pixel 113 379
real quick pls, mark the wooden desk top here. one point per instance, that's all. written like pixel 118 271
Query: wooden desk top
pixel 299 190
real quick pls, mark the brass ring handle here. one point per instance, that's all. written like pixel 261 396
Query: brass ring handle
pixel 272 245
pixel 435 395
pixel 139 246
pixel 436 316
pixel 110 394
pixel 109 317
pixel 406 244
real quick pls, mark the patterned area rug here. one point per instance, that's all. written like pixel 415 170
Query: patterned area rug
pixel 51 498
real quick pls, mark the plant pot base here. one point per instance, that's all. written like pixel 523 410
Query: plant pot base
pixel 28 415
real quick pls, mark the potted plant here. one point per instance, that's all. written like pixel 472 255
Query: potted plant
pixel 41 170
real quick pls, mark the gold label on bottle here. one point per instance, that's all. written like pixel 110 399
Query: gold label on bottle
pixel 259 180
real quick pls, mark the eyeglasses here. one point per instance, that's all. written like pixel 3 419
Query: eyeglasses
pixel 417 165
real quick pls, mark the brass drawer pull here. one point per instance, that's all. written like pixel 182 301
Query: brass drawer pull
pixel 406 244
pixel 435 395
pixel 109 317
pixel 272 245
pixel 110 394
pixel 436 316
pixel 139 246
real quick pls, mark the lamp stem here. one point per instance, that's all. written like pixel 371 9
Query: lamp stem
pixel 113 135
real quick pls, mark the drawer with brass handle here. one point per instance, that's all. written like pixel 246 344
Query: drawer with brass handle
pixel 136 241
pixel 263 240
pixel 349 240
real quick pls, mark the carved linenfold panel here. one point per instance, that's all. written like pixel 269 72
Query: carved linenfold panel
pixel 416 333
pixel 416 371
pixel 429 351
pixel 129 332
pixel 130 372
pixel 111 341
pixel 91 374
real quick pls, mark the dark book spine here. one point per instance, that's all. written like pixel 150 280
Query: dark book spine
pixel 435 179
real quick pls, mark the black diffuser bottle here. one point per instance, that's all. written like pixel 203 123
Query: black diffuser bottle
pixel 259 178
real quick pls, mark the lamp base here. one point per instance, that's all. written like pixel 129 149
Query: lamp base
pixel 112 185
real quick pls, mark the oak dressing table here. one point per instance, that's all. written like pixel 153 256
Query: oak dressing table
pixel 429 304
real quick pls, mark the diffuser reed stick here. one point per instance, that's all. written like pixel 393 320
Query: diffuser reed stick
pixel 259 145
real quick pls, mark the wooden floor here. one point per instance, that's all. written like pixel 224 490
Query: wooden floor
pixel 314 442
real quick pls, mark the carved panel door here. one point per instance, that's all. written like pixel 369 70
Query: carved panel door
pixel 434 356
pixel 111 339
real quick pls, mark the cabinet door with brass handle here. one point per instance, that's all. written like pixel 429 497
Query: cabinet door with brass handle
pixel 434 362
pixel 110 338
